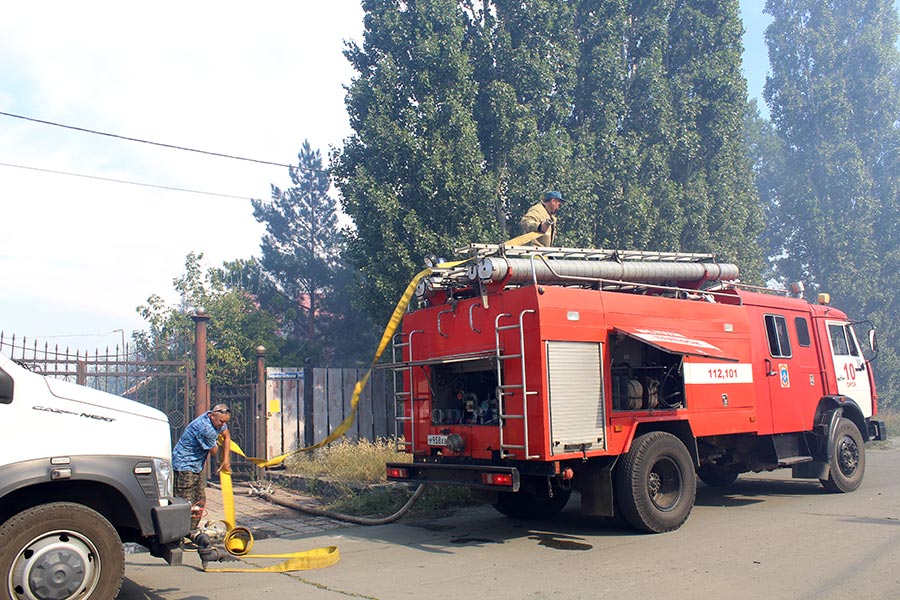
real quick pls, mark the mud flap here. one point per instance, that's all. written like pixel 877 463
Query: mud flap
pixel 595 484
pixel 877 430
pixel 811 470
pixel 818 469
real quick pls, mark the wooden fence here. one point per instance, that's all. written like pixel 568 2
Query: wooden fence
pixel 303 406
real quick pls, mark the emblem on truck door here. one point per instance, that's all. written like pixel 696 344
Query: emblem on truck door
pixel 784 375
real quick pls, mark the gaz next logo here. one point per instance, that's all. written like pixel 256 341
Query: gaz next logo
pixel 60 411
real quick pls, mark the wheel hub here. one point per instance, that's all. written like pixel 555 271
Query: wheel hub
pixel 848 456
pixel 57 566
pixel 664 484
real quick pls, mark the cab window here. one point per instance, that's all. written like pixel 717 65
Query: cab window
pixel 851 342
pixel 777 335
pixel 840 345
pixel 802 328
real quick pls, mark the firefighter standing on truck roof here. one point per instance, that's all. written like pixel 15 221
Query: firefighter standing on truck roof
pixel 542 218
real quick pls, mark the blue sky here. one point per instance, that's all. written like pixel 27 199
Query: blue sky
pixel 79 255
pixel 756 57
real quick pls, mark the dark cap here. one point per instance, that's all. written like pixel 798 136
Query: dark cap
pixel 553 196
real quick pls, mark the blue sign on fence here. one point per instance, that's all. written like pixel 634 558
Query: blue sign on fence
pixel 284 374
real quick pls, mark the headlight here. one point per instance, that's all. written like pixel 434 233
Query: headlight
pixel 164 482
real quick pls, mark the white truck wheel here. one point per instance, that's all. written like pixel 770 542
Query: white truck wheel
pixel 60 551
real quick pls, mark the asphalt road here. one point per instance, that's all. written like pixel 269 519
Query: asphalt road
pixel 768 536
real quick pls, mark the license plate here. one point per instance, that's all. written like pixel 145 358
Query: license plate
pixel 437 440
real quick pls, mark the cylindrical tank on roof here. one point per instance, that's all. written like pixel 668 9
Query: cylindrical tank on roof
pixel 526 270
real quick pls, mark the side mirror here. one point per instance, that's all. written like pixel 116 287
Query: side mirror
pixel 873 341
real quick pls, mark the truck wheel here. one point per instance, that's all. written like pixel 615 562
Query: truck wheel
pixel 716 476
pixel 60 551
pixel 656 483
pixel 528 504
pixel 848 459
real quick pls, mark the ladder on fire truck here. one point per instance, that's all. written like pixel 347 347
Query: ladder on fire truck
pixel 505 390
pixel 401 396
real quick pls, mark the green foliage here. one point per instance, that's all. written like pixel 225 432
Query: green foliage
pixel 834 96
pixel 464 112
pixel 411 176
pixel 234 330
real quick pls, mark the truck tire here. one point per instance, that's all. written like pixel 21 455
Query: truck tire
pixel 716 476
pixel 848 459
pixel 528 504
pixel 60 551
pixel 655 483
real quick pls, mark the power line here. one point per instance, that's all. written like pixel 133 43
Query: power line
pixel 172 146
pixel 131 139
pixel 150 185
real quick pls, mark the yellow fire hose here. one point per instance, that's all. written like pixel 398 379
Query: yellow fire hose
pixel 239 540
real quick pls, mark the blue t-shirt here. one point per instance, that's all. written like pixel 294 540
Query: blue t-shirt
pixel 195 443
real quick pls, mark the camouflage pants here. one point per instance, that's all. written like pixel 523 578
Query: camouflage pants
pixel 190 486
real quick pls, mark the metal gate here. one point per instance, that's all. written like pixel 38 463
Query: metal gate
pixel 166 385
pixel 242 400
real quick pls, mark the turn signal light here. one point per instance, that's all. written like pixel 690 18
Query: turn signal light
pixel 397 473
pixel 497 479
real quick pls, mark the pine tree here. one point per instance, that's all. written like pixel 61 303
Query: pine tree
pixel 301 276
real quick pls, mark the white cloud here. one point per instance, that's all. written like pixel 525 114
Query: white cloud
pixel 245 80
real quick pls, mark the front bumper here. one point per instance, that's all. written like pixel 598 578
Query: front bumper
pixel 173 522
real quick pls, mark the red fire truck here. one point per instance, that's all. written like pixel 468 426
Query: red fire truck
pixel 525 373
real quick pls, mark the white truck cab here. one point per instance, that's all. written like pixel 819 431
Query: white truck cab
pixel 81 472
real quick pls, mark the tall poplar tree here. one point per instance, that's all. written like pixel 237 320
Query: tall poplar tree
pixel 411 174
pixel 465 111
pixel 834 96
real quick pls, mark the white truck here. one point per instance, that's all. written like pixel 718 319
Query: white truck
pixel 81 473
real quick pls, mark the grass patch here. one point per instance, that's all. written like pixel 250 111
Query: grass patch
pixel 357 481
pixel 360 462
pixel 437 500
pixel 891 418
